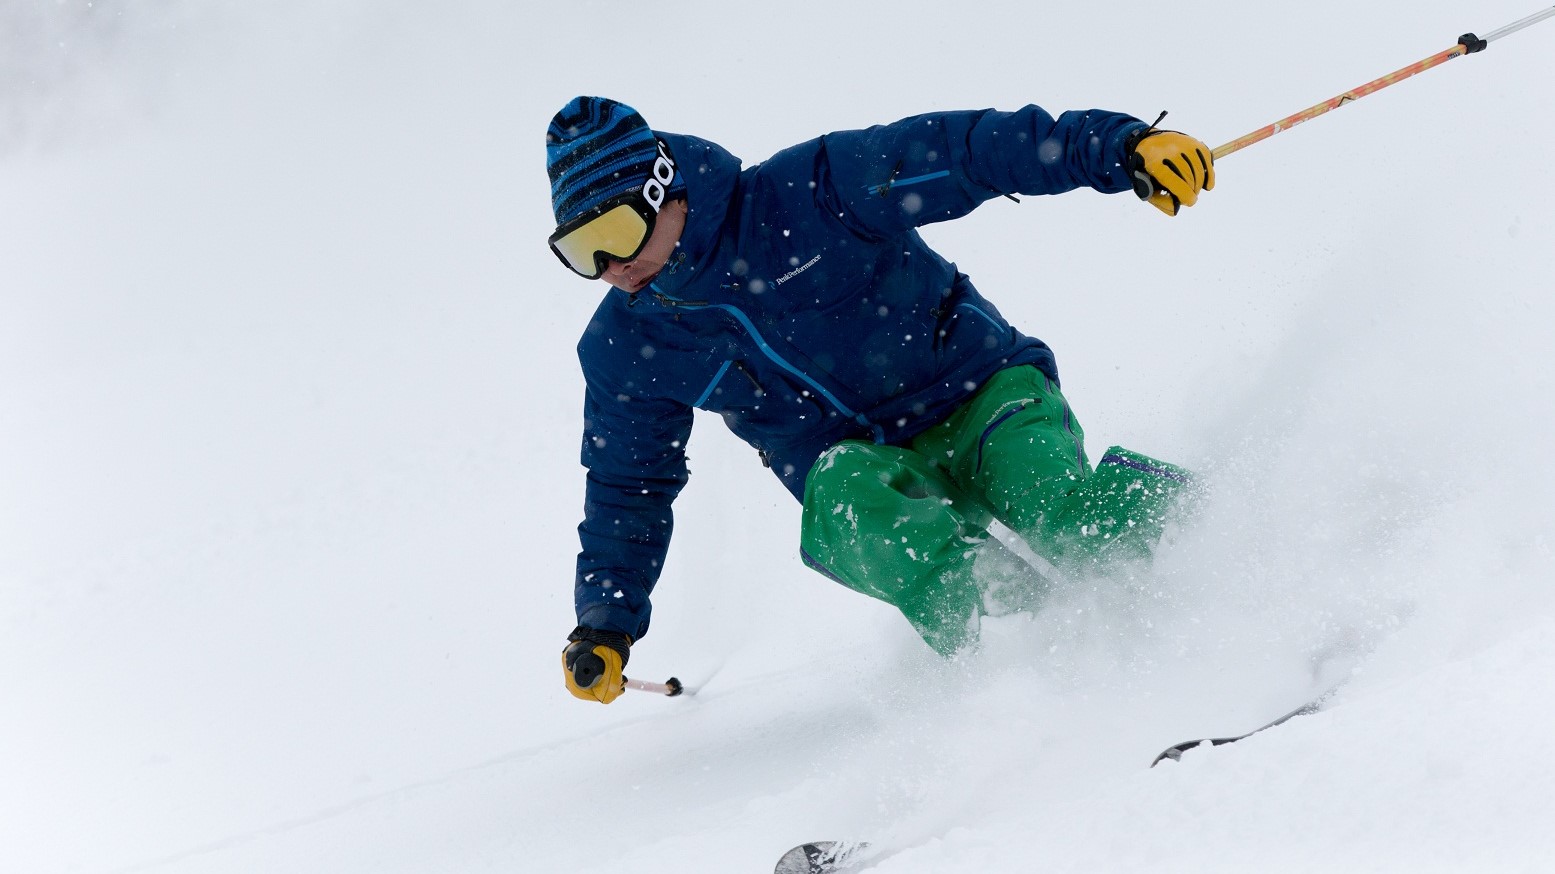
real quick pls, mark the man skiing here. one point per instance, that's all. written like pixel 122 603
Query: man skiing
pixel 796 299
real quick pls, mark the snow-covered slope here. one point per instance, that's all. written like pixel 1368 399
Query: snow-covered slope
pixel 289 434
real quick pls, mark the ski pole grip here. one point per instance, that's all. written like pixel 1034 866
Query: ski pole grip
pixel 669 688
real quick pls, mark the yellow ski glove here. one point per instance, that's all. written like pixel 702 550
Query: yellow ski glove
pixel 1169 169
pixel 592 664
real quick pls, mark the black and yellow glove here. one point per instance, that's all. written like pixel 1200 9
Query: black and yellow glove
pixel 592 663
pixel 1169 169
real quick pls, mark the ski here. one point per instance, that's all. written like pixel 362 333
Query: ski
pixel 1175 752
pixel 822 857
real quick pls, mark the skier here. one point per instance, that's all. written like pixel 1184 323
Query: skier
pixel 796 299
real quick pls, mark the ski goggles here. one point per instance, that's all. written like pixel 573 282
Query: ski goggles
pixel 617 229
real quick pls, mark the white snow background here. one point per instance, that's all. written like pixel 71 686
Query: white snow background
pixel 289 417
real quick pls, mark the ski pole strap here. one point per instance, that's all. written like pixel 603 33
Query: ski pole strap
pixel 1467 44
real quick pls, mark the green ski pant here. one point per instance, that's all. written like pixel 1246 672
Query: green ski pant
pixel 904 524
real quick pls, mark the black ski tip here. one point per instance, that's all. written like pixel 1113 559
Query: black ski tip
pixel 1316 704
pixel 1175 753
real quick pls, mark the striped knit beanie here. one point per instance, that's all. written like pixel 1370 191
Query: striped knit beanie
pixel 596 149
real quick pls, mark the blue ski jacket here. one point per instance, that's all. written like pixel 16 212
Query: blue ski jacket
pixel 804 308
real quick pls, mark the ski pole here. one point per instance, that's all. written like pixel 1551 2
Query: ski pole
pixel 1467 44
pixel 670 687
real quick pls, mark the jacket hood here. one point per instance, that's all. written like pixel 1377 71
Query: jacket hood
pixel 711 174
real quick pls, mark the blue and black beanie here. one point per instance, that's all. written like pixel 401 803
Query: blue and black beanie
pixel 596 149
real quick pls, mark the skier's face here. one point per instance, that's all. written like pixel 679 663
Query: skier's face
pixel 634 275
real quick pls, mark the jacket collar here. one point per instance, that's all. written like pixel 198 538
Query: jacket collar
pixel 710 173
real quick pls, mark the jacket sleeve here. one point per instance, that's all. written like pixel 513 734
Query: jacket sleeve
pixel 634 449
pixel 885 180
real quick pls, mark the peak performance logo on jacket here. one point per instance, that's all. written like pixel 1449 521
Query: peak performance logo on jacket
pixel 796 271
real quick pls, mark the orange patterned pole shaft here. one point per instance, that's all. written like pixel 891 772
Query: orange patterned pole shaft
pixel 1467 44
pixel 1334 103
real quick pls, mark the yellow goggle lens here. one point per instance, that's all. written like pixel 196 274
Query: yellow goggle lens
pixel 618 232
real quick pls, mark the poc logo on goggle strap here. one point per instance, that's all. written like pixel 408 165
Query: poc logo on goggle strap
pixel 663 175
